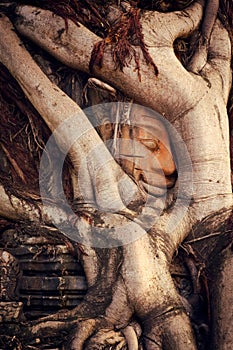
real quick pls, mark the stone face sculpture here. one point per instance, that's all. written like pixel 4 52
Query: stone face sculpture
pixel 148 157
pixel 136 137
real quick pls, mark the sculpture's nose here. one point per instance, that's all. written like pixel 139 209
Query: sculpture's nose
pixel 160 158
pixel 150 161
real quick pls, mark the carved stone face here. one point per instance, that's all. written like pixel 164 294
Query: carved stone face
pixel 145 152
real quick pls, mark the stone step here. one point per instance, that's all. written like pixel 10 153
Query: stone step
pixel 46 284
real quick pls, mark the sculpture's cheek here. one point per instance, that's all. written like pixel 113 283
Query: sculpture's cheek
pixel 145 154
pixel 164 158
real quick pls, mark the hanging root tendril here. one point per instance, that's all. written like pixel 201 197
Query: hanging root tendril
pixel 124 36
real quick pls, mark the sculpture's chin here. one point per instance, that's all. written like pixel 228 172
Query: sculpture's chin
pixel 158 184
pixel 153 190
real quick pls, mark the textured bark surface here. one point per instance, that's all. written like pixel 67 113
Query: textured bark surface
pixel 221 297
pixel 132 301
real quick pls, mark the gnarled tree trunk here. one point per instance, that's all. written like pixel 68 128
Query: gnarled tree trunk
pixel 131 294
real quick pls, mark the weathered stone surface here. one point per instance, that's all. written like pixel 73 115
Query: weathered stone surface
pixel 10 311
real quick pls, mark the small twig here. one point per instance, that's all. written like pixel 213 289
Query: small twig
pixel 205 237
pixel 14 164
pixel 35 132
pixel 17 133
pixel 102 20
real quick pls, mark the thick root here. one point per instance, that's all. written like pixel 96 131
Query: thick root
pixel 83 331
pixel 106 338
pixel 171 331
pixel 199 59
pixel 95 334
pixel 131 337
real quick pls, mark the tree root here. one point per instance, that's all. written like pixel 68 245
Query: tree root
pixel 138 281
pixel 170 331
pixel 89 333
pixel 131 337
pixel 199 59
pixel 106 338
pixel 93 334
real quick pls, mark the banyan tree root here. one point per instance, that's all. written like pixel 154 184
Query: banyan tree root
pixel 199 58
pixel 115 295
pixel 61 113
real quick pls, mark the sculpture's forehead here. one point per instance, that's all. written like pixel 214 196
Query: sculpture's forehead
pixel 149 121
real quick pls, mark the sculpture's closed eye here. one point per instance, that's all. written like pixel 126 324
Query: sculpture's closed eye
pixel 152 145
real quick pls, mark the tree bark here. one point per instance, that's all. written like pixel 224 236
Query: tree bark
pixel 132 281
pixel 221 299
